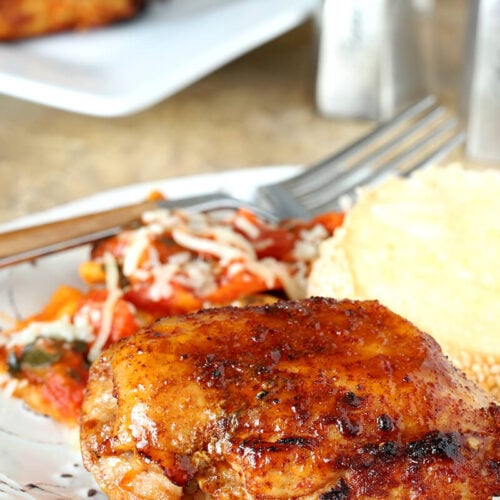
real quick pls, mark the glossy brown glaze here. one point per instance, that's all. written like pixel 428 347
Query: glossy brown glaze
pixel 307 399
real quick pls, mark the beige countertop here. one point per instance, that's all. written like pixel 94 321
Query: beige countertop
pixel 257 111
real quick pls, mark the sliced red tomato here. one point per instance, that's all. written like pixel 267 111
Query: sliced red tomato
pixel 330 220
pixel 57 388
pixel 238 286
pixel 273 241
pixel 64 386
pixel 113 245
pixel 124 321
pixel 181 301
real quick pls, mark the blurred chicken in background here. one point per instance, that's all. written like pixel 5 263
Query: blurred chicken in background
pixel 27 18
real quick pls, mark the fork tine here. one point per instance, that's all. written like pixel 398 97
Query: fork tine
pixel 396 146
pixel 367 169
pixel 435 156
pixel 361 171
pixel 216 201
pixel 335 164
pixel 337 199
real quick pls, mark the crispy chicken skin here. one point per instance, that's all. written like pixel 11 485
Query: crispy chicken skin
pixel 306 399
pixel 28 18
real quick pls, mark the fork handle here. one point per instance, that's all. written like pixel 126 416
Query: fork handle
pixel 29 243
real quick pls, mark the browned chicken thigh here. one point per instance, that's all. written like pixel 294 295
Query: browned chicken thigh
pixel 27 18
pixel 305 399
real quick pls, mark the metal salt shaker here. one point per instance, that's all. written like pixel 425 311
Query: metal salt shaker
pixel 481 95
pixel 370 61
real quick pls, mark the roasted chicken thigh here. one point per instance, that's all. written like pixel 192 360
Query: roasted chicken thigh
pixel 299 399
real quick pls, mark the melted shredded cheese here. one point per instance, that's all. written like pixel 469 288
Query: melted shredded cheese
pixel 61 329
pixel 307 246
pixel 222 250
pixel 163 274
pixel 229 237
pixel 247 227
pixel 158 221
pixel 114 294
pixel 225 237
pixel 135 250
pixel 198 275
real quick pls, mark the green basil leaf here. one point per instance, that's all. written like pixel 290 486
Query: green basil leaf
pixel 36 357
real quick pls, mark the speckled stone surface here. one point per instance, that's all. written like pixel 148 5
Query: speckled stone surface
pixel 256 111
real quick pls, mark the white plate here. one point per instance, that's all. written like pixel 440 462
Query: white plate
pixel 127 67
pixel 36 459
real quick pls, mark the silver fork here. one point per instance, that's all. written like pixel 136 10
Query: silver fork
pixel 420 135
pixel 29 243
